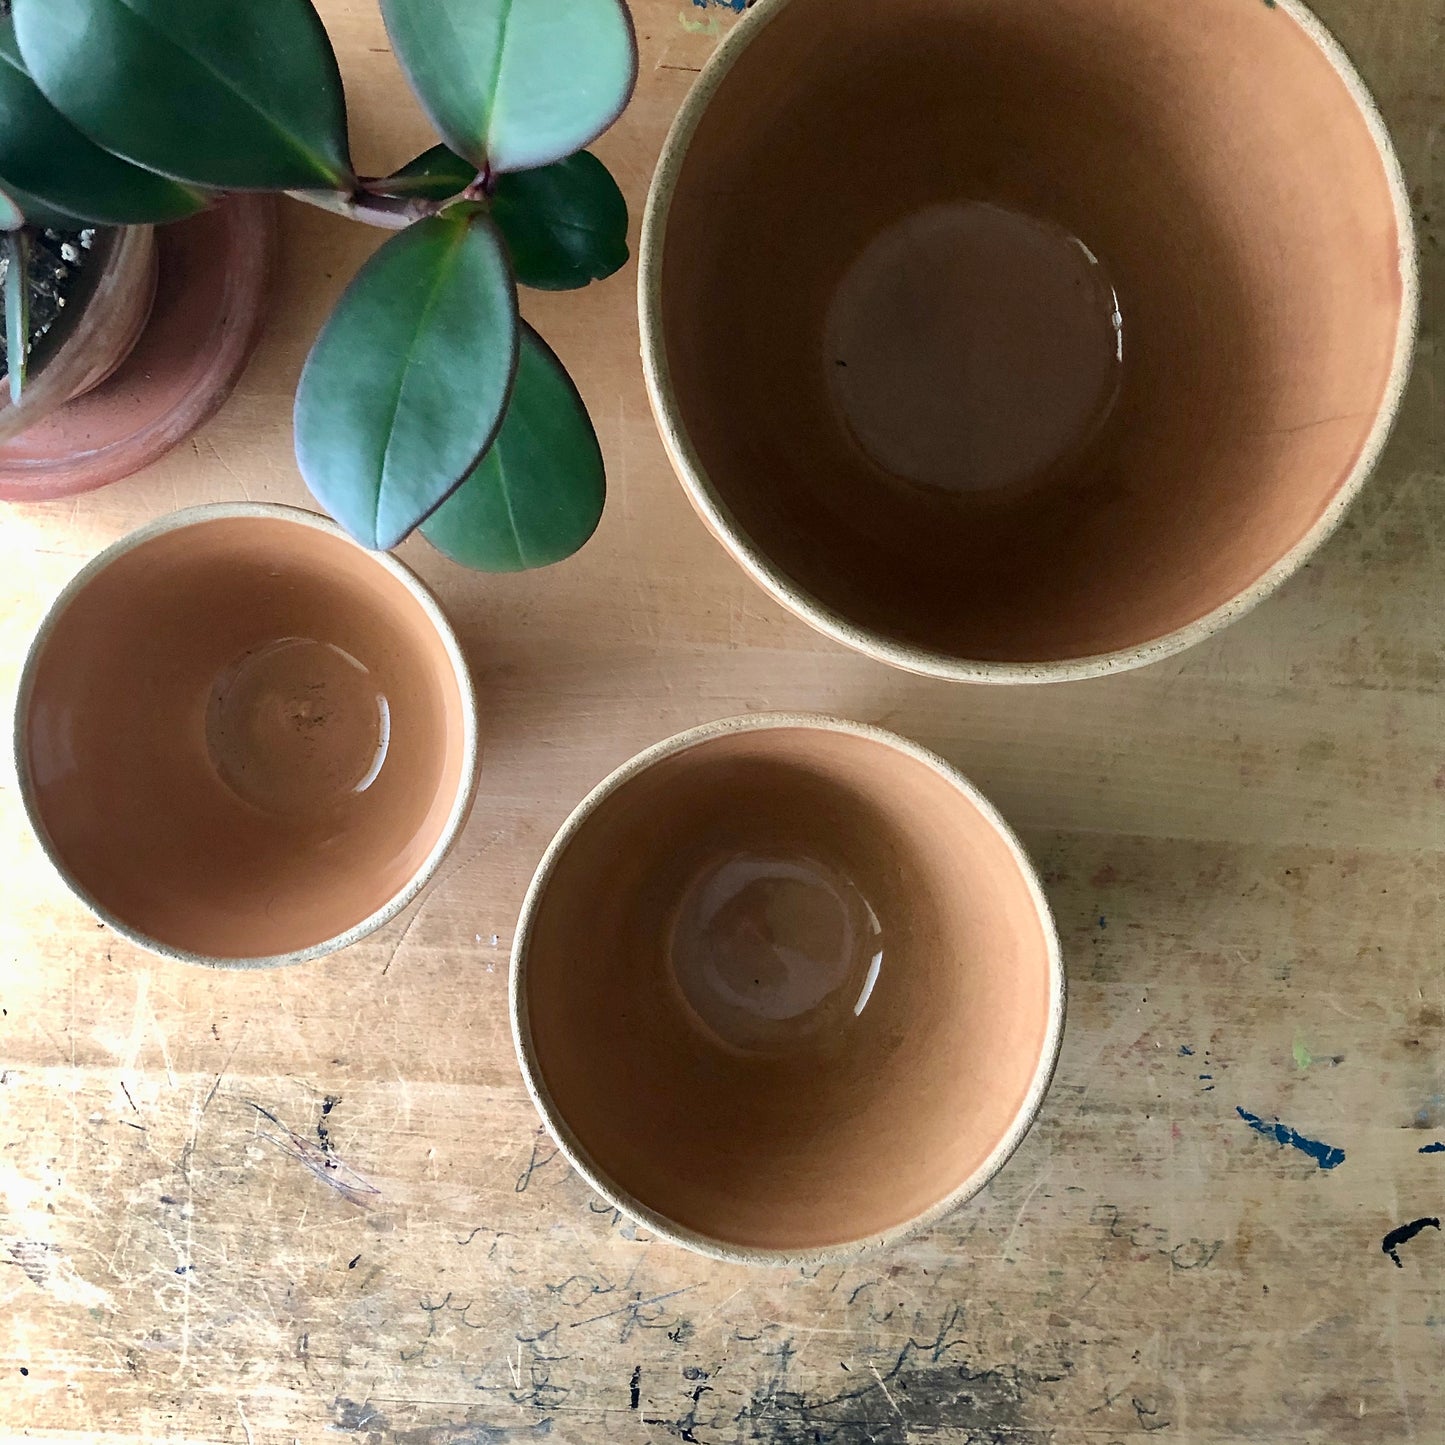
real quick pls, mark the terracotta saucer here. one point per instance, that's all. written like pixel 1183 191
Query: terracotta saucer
pixel 215 275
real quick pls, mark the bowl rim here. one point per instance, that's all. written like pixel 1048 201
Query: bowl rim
pixel 420 593
pixel 659 1224
pixel 712 508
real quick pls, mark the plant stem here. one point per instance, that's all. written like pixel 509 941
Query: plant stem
pixel 391 213
pixel 17 309
pixel 481 189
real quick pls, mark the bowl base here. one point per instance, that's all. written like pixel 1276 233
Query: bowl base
pixel 972 348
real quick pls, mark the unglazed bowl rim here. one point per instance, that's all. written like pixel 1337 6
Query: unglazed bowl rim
pixel 420 593
pixel 571 1146
pixel 930 662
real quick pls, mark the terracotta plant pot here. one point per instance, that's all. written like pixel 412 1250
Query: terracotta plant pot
pixel 98 330
pixel 211 280
pixel 1012 342
pixel 785 988
pixel 243 739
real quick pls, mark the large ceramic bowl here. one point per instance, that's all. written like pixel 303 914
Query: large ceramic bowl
pixel 786 988
pixel 1025 341
pixel 243 739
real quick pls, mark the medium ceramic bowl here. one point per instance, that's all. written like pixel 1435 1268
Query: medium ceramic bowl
pixel 243 739
pixel 786 988
pixel 1013 342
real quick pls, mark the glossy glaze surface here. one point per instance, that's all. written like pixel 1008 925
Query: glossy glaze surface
pixel 242 737
pixel 787 988
pixel 1078 436
pixel 971 348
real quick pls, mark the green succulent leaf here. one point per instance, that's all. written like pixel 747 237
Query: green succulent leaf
pixel 407 383
pixel 232 94
pixel 537 495
pixel 514 84
pixel 435 175
pixel 38 213
pixel 17 309
pixel 43 155
pixel 565 224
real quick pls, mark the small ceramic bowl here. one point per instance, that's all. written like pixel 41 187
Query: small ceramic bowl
pixel 1016 342
pixel 243 739
pixel 786 988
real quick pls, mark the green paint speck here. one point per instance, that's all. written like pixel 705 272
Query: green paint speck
pixel 1302 1056
pixel 713 25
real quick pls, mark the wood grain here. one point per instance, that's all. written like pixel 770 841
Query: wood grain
pixel 316 1204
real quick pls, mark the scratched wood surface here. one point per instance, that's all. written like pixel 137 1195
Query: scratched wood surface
pixel 317 1203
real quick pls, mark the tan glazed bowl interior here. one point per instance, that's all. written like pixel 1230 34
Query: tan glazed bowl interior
pixel 242 738
pixel 784 988
pixel 1007 341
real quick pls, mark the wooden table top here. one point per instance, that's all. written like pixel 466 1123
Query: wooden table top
pixel 316 1204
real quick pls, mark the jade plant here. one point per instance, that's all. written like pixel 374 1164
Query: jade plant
pixel 426 401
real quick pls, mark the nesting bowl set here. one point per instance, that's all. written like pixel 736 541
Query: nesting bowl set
pixel 1001 343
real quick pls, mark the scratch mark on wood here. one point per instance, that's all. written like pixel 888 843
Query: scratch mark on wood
pixel 354 1418
pixel 45 1266
pixel 1148 1414
pixel 410 924
pixel 225 1066
pixel 327 1167
pixel 634 1306
pixel 722 1305
pixel 535 1163
pixel 892 1402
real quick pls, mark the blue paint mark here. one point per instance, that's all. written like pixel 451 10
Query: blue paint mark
pixel 1438 1147
pixel 1325 1155
pixel 1403 1235
pixel 1206 1076
pixel 1103 922
pixel 737 5
pixel 1185 1050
